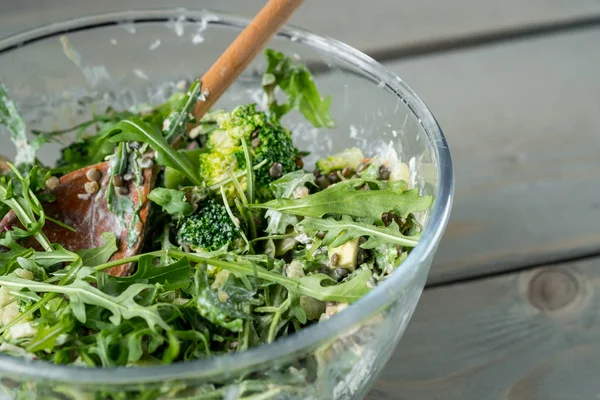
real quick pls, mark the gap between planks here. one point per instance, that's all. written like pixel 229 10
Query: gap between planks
pixel 468 41
pixel 521 268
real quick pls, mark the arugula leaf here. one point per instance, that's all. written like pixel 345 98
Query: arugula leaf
pixel 170 277
pixel 285 186
pixel 81 293
pixel 278 222
pixel 99 255
pixel 16 193
pixel 295 80
pixel 346 292
pixel 311 285
pixel 47 333
pixel 56 256
pixel 10 117
pixel 86 151
pixel 341 231
pixel 135 129
pixel 172 201
pixel 216 306
pixel 182 114
pixel 38 272
pixel 135 347
pixel 344 199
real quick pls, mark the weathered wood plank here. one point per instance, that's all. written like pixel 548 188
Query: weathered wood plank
pixel 374 26
pixel 522 122
pixel 524 336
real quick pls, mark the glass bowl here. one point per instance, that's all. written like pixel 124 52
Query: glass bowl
pixel 58 73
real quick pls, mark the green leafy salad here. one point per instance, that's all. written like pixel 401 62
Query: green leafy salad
pixel 242 246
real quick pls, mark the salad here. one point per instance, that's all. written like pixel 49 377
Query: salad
pixel 241 244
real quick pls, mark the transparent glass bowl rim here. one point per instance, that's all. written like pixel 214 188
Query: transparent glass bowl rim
pixel 288 347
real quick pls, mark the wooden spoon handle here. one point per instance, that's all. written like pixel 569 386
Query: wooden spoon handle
pixel 243 50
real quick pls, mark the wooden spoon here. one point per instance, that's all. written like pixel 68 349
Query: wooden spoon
pixel 81 204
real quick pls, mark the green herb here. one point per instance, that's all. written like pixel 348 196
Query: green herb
pixel 341 231
pixel 344 199
pixel 182 114
pixel 17 194
pixel 137 130
pixel 295 80
pixel 99 255
pixel 172 201
pixel 285 186
pixel 81 293
pixel 169 277
pixel 236 255
pixel 318 286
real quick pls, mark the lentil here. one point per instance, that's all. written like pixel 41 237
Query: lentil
pixel 255 142
pixel 384 173
pixel 301 192
pixel 387 218
pixel 346 172
pixel 91 187
pixel 361 167
pixel 146 162
pixel 118 180
pixel 52 183
pixel 93 174
pixel 361 257
pixel 335 259
pixel 276 170
pixel 322 182
pixel 333 177
pixel 341 273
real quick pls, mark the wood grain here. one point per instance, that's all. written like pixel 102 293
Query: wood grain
pixel 242 51
pixel 523 336
pixel 522 123
pixel 375 26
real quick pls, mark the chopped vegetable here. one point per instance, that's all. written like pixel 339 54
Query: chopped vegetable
pixel 244 245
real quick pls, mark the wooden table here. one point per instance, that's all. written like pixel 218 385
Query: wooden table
pixel 511 310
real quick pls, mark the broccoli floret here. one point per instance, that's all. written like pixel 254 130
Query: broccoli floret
pixel 348 158
pixel 267 140
pixel 210 228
